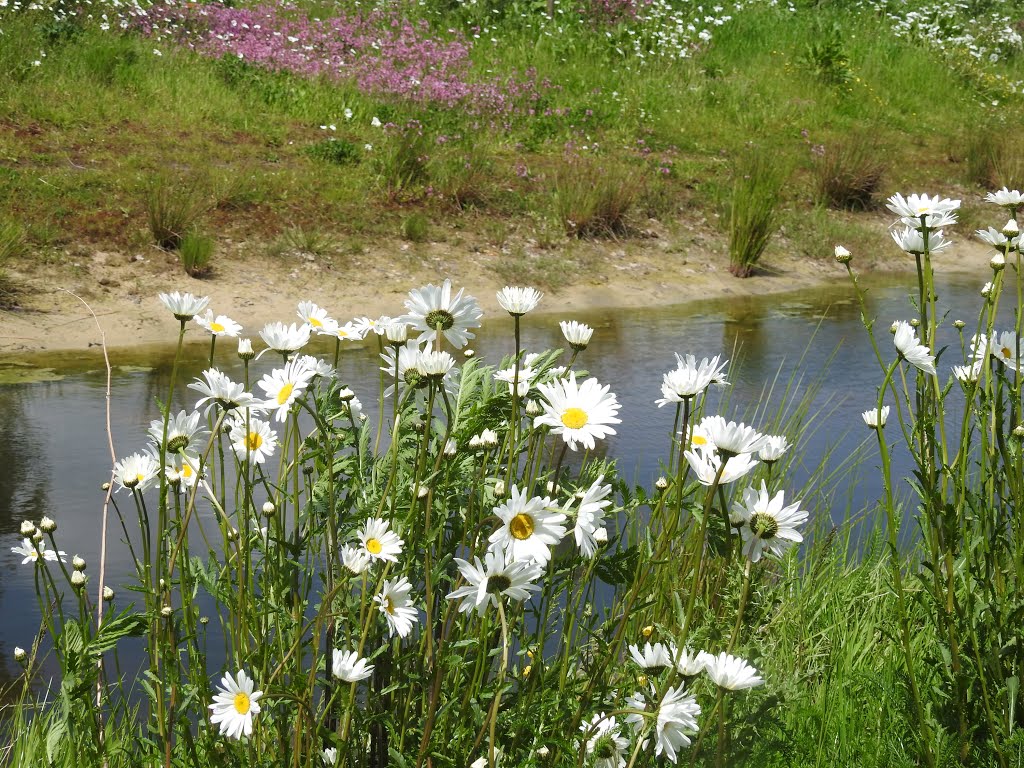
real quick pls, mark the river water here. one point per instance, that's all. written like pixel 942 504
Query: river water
pixel 783 349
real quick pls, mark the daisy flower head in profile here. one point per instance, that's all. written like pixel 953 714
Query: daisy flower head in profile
pixel 355 559
pixel 874 418
pixel 768 525
pixel 434 307
pixel 590 516
pixel 529 529
pixel 217 389
pixel 1010 199
pixel 221 325
pixel 729 437
pixel 492 578
pixel 707 463
pixel 396 605
pixel 347 332
pixel 136 472
pixel 690 378
pixel 525 374
pixel 403 363
pixel 184 430
pixel 911 349
pixel 33 552
pixel 315 317
pixel 654 658
pixel 518 301
pixel 367 325
pixel 577 334
pixel 731 672
pixel 675 722
pixel 234 704
pixel 912 241
pixel 379 541
pixel 773 448
pixel 998 240
pixel 967 374
pixel 578 412
pixel 285 339
pixel 688 663
pixel 283 385
pixel 606 745
pixel 184 306
pixel 180 468
pixel 348 666
pixel 922 211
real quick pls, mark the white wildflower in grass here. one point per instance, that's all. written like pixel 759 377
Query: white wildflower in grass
pixel 577 334
pixel 348 332
pixel 184 306
pixel 731 672
pixel 606 745
pixel 773 448
pixel 255 442
pixel 493 577
pixel 432 307
pixel 966 374
pixel 217 389
pixel 348 666
pixel 508 376
pixel 911 349
pixel 730 437
pixel 396 332
pixel 998 240
pixel 379 541
pixel 435 365
pixel 705 462
pixel 32 552
pixel 181 468
pixel 355 559
pixel 690 378
pixel 184 430
pixel 329 755
pixel 912 241
pixel 1011 199
pixel 768 524
pixel 688 663
pixel 406 359
pixel 518 301
pixel 285 338
pixel 874 418
pixel 138 471
pixel 1002 346
pixel 234 704
pixel 578 412
pixel 283 385
pixel 315 317
pixel 590 516
pixel 316 366
pixel 485 440
pixel 675 721
pixel 654 658
pixel 367 325
pixel 922 210
pixel 221 325
pixel 396 605
pixel 529 529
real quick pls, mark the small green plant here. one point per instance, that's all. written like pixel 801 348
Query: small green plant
pixel 826 58
pixel 12 246
pixel 415 228
pixel 334 151
pixel 173 208
pixel 992 159
pixel 299 239
pixel 196 251
pixel 464 179
pixel 750 211
pixel 848 174
pixel 402 161
pixel 593 199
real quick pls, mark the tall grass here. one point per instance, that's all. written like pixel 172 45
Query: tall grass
pixel 750 212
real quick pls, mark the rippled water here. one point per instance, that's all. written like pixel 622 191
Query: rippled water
pixel 53 445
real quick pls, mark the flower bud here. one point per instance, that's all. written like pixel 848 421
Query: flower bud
pixel 78 579
pixel 843 256
pixel 37 536
pixel 959 324
pixel 268 508
pixel 47 525
pixel 601 535
pixel 167 611
pixel 346 395
pixel 78 563
pixel 108 594
pixel 245 349
pixel 986 290
pixel 499 488
pixel 997 262
pixel 1018 431
pixel 1010 229
pixel 204 620
pixel 915 322
pixel 27 528
pixel 105 487
pixel 19 655
pixel 661 483
pixel 468 353
pixel 647 631
pixel 533 408
pixel 397 333
pixel 894 327
pixel 527 670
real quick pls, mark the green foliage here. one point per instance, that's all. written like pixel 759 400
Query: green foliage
pixel 416 228
pixel 826 56
pixel 196 251
pixel 849 173
pixel 335 151
pixel 751 209
pixel 174 207
pixel 402 161
pixel 593 198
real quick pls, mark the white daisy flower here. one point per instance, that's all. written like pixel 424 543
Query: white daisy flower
pixel 874 418
pixel 221 325
pixel 245 349
pixel 396 332
pixel 315 317
pixel 577 334
pixel 652 657
pixel 579 413
pixel 407 359
pixel 912 241
pixel 396 605
pixel 234 704
pixel 33 551
pixel 768 525
pixel 435 365
pixel 688 663
pixel 529 530
pixel 181 468
pixel 1002 346
pixel 493 577
pixel 486 439
pixel 606 744
pixel 519 301
pixel 911 349
pixel 316 366
pixel 1010 199
pixel 283 385
pixel 348 332
pixel 183 430
pixel 590 516
pixel 730 437
pixel 998 240
pixel 378 541
pixel 915 210
pixel 690 378
pixel 255 442
pixel 184 306
pixel 966 374
pixel 366 325
pixel 773 448
pixel 731 672
pixel 356 559
pixel 330 755
pixel 508 376
pixel 285 338
pixel 138 471
pixel 705 463
pixel 432 306
pixel 220 390
pixel 349 667
pixel 676 720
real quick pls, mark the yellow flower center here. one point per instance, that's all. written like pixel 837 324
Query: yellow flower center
pixel 315 323
pixel 285 393
pixel 389 606
pixel 186 470
pixel 574 418
pixel 242 703
pixel 1007 352
pixel 342 333
pixel 139 478
pixel 922 209
pixel 521 526
pixel 216 327
pixel 699 440
pixel 254 440
pixel 373 546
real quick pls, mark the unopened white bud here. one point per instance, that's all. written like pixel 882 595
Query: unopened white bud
pixel 346 395
pixel 601 535
pixel 78 579
pixel 959 324
pixel 396 332
pixel 997 262
pixel 47 525
pixel 245 349
pixel 843 256
pixel 78 563
pixel 268 508
pixel 19 655
pixel 533 408
pixel 1010 229
pixel 108 594
pixel 27 528
pixel 468 353
pixel 166 611
pixel 499 488
pixel 37 536
pixel 661 483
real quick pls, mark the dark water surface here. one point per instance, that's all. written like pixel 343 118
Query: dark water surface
pixel 53 444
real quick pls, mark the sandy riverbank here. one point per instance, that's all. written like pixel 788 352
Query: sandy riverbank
pixel 254 288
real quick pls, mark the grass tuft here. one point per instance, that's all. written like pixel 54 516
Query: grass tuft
pixel 173 207
pixel 751 209
pixel 593 199
pixel 849 174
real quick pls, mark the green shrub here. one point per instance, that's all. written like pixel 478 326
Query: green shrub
pixel 334 151
pixel 415 228
pixel 196 252
pixel 751 209
pixel 464 178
